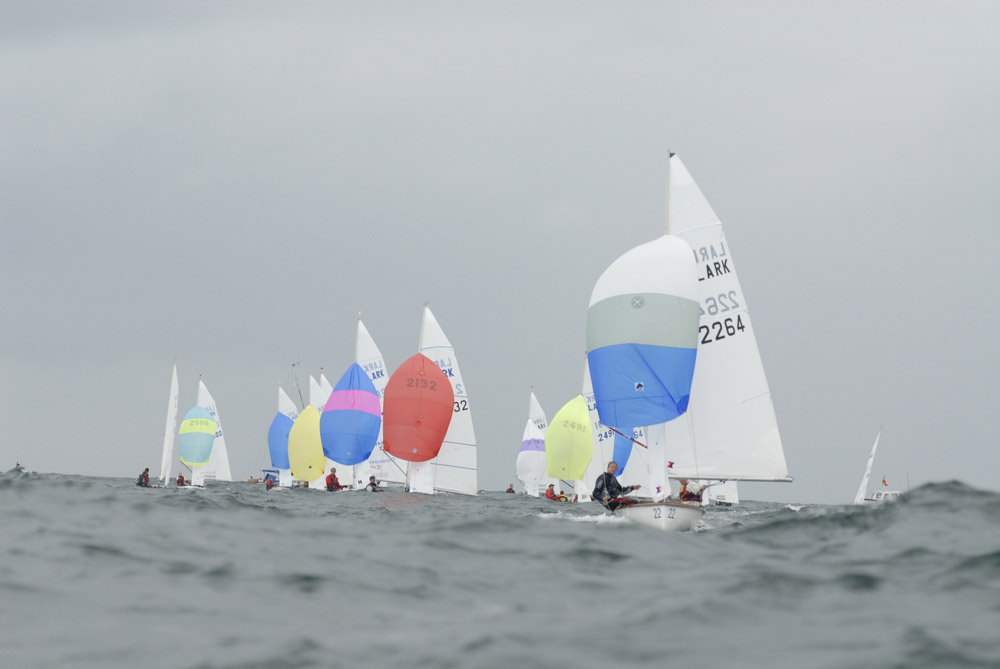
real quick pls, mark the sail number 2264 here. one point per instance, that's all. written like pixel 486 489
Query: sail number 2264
pixel 718 330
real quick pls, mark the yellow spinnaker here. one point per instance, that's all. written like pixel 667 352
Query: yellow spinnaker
pixel 305 449
pixel 569 442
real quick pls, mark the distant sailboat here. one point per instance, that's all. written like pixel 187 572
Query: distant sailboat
pixel 305 448
pixel 642 338
pixel 569 444
pixel 195 437
pixel 729 432
pixel 530 465
pixel 455 467
pixel 217 467
pixel 418 408
pixel 881 495
pixel 277 437
pixel 170 431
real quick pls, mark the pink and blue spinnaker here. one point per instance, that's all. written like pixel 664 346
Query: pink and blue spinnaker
pixel 351 419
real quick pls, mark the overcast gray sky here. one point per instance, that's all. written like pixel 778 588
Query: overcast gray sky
pixel 232 183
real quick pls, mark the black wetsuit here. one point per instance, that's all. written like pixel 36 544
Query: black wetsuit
pixel 608 486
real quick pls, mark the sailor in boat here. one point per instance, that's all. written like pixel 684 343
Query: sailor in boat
pixel 373 485
pixel 686 495
pixel 332 483
pixel 550 492
pixel 510 488
pixel 180 481
pixel 609 492
pixel 143 479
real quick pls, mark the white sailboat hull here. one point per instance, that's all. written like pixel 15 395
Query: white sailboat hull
pixel 665 516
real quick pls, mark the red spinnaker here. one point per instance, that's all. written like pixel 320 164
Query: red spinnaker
pixel 417 408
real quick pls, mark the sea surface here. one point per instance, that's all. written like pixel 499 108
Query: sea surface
pixel 95 572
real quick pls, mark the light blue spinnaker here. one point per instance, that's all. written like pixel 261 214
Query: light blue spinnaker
pixel 277 434
pixel 196 436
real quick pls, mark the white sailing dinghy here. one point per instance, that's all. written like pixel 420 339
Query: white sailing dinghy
pixel 170 431
pixel 530 467
pixel 642 338
pixel 882 495
pixel 729 432
pixel 454 469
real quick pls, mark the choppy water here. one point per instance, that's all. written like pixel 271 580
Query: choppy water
pixel 95 572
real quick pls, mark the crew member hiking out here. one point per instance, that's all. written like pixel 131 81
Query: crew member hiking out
pixel 609 492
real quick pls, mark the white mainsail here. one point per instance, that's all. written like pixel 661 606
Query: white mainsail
pixel 170 431
pixel 287 407
pixel 380 464
pixel 319 392
pixel 217 466
pixel 863 488
pixel 454 468
pixel 530 464
pixel 326 389
pixel 729 431
pixel 604 441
